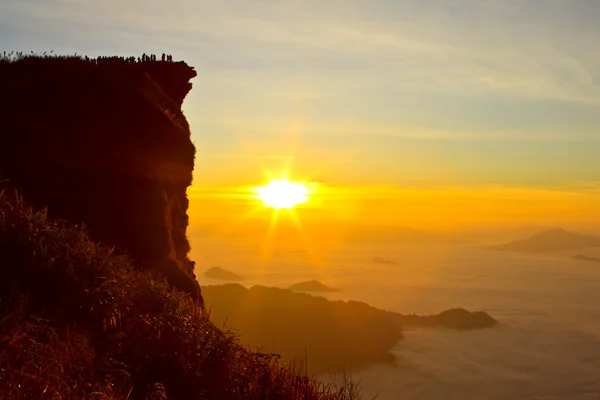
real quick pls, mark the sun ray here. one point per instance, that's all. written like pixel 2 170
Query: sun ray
pixel 267 246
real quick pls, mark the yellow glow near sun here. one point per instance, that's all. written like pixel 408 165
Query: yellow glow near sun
pixel 282 194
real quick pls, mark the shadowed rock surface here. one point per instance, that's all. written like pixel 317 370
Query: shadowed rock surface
pixel 105 144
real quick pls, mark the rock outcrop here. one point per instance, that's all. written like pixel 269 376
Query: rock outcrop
pixel 104 143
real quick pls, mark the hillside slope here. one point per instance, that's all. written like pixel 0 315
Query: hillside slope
pixel 77 320
pixel 332 335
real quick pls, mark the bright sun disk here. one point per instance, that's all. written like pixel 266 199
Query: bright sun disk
pixel 282 194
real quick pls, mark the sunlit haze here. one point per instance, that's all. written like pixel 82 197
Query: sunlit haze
pixel 408 188
pixel 398 105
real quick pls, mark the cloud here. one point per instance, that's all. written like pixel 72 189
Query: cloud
pixel 499 47
pixel 247 156
pixel 434 69
pixel 533 49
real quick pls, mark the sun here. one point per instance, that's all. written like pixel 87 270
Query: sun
pixel 282 194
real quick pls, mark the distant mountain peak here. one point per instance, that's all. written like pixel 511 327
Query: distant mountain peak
pixel 312 286
pixel 222 274
pixel 550 240
pixel 555 231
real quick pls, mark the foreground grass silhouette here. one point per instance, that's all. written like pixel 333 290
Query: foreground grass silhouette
pixel 77 320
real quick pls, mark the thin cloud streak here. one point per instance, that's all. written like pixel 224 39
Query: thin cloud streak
pixel 352 78
pixel 469 50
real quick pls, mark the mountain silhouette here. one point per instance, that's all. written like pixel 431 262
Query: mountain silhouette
pixel 551 240
pixel 312 286
pixel 332 334
pixel 381 260
pixel 222 274
pixel 583 257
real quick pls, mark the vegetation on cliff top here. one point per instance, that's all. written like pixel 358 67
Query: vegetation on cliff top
pixel 77 320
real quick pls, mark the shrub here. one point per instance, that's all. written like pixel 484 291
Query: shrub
pixel 78 320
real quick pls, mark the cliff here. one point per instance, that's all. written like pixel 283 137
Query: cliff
pixel 104 143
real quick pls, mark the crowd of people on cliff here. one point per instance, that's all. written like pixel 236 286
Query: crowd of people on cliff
pixel 145 58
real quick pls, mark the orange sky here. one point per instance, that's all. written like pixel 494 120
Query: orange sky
pixel 434 209
pixel 415 113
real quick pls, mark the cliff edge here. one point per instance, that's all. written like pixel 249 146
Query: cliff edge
pixel 104 143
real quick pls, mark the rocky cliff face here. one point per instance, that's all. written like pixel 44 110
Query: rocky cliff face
pixel 104 143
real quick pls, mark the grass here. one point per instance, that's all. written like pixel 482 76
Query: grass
pixel 79 321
